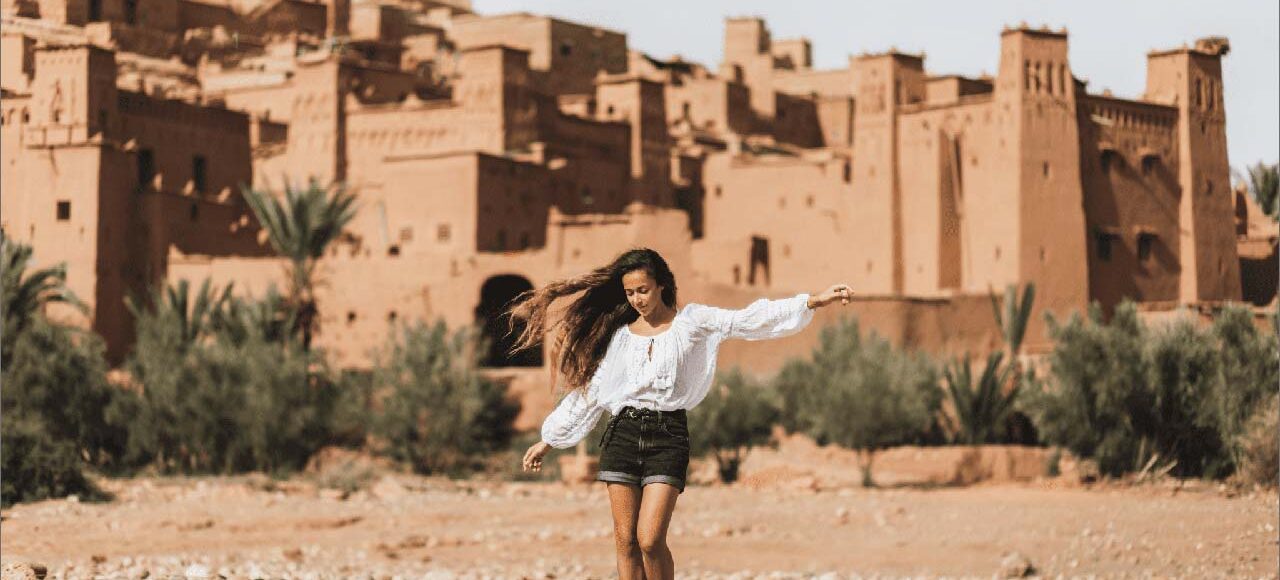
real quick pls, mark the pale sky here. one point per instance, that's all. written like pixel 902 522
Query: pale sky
pixel 1109 39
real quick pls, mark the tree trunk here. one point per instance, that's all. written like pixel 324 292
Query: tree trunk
pixel 865 456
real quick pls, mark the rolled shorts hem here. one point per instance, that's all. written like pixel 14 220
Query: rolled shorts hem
pixel 627 478
pixel 618 477
pixel 673 481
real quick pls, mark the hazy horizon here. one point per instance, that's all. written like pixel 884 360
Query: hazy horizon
pixel 1109 52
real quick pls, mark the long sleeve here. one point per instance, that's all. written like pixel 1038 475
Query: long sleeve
pixel 760 320
pixel 574 417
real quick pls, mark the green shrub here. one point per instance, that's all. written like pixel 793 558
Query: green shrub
pixel 1259 446
pixel 214 403
pixel 37 465
pixel 736 414
pixel 1177 411
pixel 862 394
pixel 435 411
pixel 1250 372
pixel 57 376
pixel 1123 394
pixel 1095 382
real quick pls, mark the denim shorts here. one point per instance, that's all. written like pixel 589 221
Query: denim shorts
pixel 643 446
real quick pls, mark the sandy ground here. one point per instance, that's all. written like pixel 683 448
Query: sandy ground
pixel 412 527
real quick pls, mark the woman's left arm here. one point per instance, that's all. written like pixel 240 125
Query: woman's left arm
pixel 765 318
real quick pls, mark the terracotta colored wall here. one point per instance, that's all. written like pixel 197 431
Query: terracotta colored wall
pixel 801 207
pixel 825 83
pixel 1191 80
pixel 575 52
pixel 1129 170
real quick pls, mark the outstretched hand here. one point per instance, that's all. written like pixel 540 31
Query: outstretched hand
pixel 840 292
pixel 533 457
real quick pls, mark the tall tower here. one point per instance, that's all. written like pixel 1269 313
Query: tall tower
pixel 1036 108
pixel 748 59
pixel 494 86
pixel 885 83
pixel 318 122
pixel 73 93
pixel 642 104
pixel 1191 80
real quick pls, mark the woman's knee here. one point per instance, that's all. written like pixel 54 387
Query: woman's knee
pixel 651 543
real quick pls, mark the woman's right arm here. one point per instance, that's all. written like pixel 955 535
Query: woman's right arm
pixel 572 419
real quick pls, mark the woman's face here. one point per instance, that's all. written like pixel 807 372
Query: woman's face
pixel 643 292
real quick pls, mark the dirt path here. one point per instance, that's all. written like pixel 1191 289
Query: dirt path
pixel 415 527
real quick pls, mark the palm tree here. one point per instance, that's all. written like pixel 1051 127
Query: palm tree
pixel 26 293
pixel 985 409
pixel 195 316
pixel 1264 183
pixel 300 227
pixel 1013 322
pixel 982 408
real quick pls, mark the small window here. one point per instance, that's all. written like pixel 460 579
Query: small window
pixel 1104 241
pixel 393 250
pixel 1146 240
pixel 719 191
pixel 392 316
pixel 1045 170
pixel 848 172
pixel 95 10
pixel 131 11
pixel 566 48
pixel 199 173
pixel 64 210
pixel 351 317
pixel 1149 164
pixel 1111 160
pixel 146 167
pixel 194 212
pixel 442 233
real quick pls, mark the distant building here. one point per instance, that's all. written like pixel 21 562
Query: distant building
pixel 493 154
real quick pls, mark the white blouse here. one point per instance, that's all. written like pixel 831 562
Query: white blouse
pixel 678 372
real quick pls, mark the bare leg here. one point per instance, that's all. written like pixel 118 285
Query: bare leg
pixel 624 500
pixel 657 503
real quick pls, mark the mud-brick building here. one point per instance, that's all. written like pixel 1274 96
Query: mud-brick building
pixel 495 153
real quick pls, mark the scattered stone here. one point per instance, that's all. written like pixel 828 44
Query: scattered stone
pixel 23 571
pixel 202 524
pixel 1016 565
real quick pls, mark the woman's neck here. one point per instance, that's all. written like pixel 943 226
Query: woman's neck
pixel 659 316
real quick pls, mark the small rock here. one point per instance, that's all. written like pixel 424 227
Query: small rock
pixel 1015 565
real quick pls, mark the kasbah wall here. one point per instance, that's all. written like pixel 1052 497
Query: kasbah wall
pixel 495 153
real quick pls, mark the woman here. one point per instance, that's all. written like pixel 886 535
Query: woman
pixel 624 347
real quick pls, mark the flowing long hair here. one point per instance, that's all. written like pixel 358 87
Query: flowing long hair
pixel 581 336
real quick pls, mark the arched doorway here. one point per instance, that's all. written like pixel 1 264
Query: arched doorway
pixel 495 293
